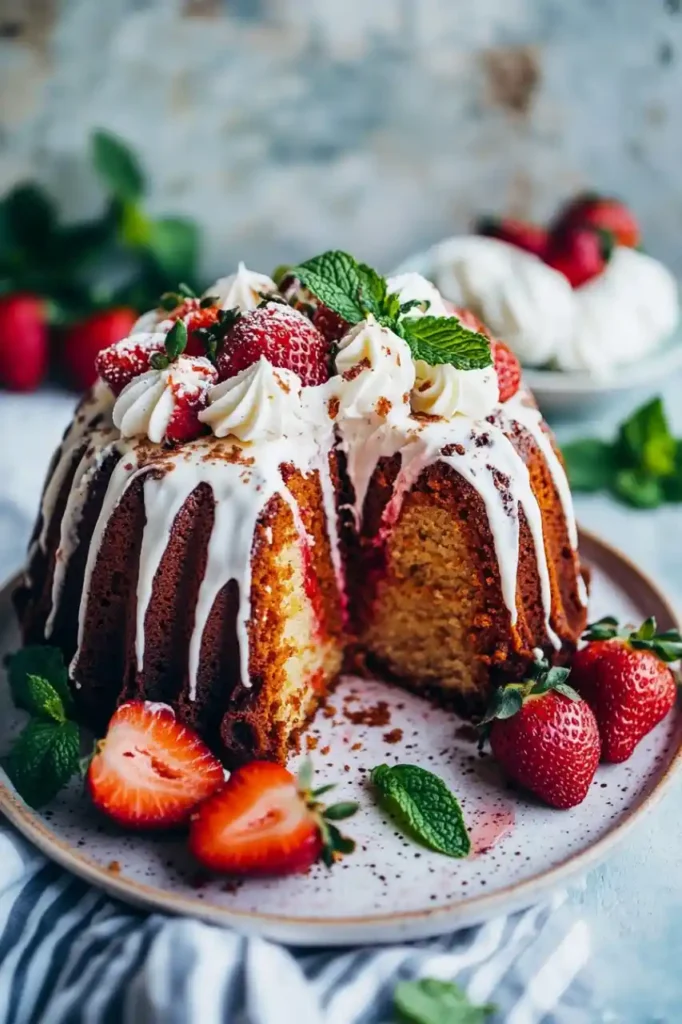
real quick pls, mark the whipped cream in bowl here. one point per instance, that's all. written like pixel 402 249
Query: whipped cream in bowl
pixel 617 332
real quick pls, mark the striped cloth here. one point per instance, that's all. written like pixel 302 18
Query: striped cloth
pixel 69 954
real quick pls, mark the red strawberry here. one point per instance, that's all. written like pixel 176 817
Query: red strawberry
pixel 150 771
pixel 468 318
pixel 266 822
pixel 545 737
pixel 580 254
pixel 85 340
pixel 517 232
pixel 119 363
pixel 189 379
pixel 331 326
pixel 624 678
pixel 197 318
pixel 23 341
pixel 592 210
pixel 507 368
pixel 283 335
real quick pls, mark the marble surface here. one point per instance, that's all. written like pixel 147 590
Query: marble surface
pixel 634 902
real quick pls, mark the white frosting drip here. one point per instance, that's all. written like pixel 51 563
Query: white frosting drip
pixel 445 391
pixel 376 373
pixel 413 286
pixel 146 405
pixel 244 289
pixel 258 403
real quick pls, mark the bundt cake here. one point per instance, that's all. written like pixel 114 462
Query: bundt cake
pixel 266 485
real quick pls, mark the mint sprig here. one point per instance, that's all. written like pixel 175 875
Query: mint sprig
pixel 355 291
pixel 423 806
pixel 47 753
pixel 432 1001
pixel 642 466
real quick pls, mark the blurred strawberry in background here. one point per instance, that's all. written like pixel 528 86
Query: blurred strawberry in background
pixel 84 340
pixel 23 341
pixel 589 210
pixel 580 254
pixel 517 232
pixel 69 290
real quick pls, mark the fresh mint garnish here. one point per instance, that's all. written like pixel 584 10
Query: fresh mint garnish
pixel 432 1001
pixel 47 753
pixel 355 291
pixel 642 466
pixel 423 806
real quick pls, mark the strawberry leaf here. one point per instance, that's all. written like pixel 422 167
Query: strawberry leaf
pixel 176 340
pixel 423 805
pixel 158 361
pixel 305 776
pixel 340 811
pixel 340 843
pixel 566 691
pixel 506 702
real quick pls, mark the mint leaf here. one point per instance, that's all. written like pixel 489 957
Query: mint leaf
pixel 637 489
pixel 117 166
pixel 591 464
pixel 173 244
pixel 421 802
pixel 672 485
pixel 43 701
pixel 431 1001
pixel 373 291
pixel 336 280
pixel 646 442
pixel 38 661
pixel 43 759
pixel 438 340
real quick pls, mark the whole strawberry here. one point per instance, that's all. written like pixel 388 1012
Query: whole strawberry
pixel 525 236
pixel 624 677
pixel 545 737
pixel 580 254
pixel 84 341
pixel 283 335
pixel 592 210
pixel 23 341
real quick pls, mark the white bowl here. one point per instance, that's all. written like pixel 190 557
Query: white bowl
pixel 567 392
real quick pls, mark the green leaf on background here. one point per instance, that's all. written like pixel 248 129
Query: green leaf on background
pixel 423 805
pixel 590 463
pixel 43 759
pixel 637 489
pixel 646 442
pixel 135 227
pixel 173 244
pixel 117 166
pixel 42 661
pixel 30 217
pixel 672 485
pixel 432 1001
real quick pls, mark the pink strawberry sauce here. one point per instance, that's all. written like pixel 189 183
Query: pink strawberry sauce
pixel 488 826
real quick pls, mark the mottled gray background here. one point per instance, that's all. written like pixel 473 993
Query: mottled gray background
pixel 287 126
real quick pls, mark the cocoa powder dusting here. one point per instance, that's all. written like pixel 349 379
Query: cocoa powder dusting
pixel 377 715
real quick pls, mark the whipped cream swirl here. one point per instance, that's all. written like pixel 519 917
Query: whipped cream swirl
pixel 147 404
pixel 260 402
pixel 376 372
pixel 445 391
pixel 411 286
pixel 244 289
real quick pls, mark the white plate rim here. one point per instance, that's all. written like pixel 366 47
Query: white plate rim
pixel 413 924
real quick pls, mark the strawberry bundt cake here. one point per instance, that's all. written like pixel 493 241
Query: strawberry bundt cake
pixel 269 483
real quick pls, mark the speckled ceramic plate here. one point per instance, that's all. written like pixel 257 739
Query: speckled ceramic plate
pixel 389 889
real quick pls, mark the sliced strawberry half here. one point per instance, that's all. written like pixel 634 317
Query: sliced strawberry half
pixel 150 771
pixel 284 336
pixel 264 821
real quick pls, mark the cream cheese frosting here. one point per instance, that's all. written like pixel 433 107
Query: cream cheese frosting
pixel 244 289
pixel 414 287
pixel 445 391
pixel 146 405
pixel 376 372
pixel 258 403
